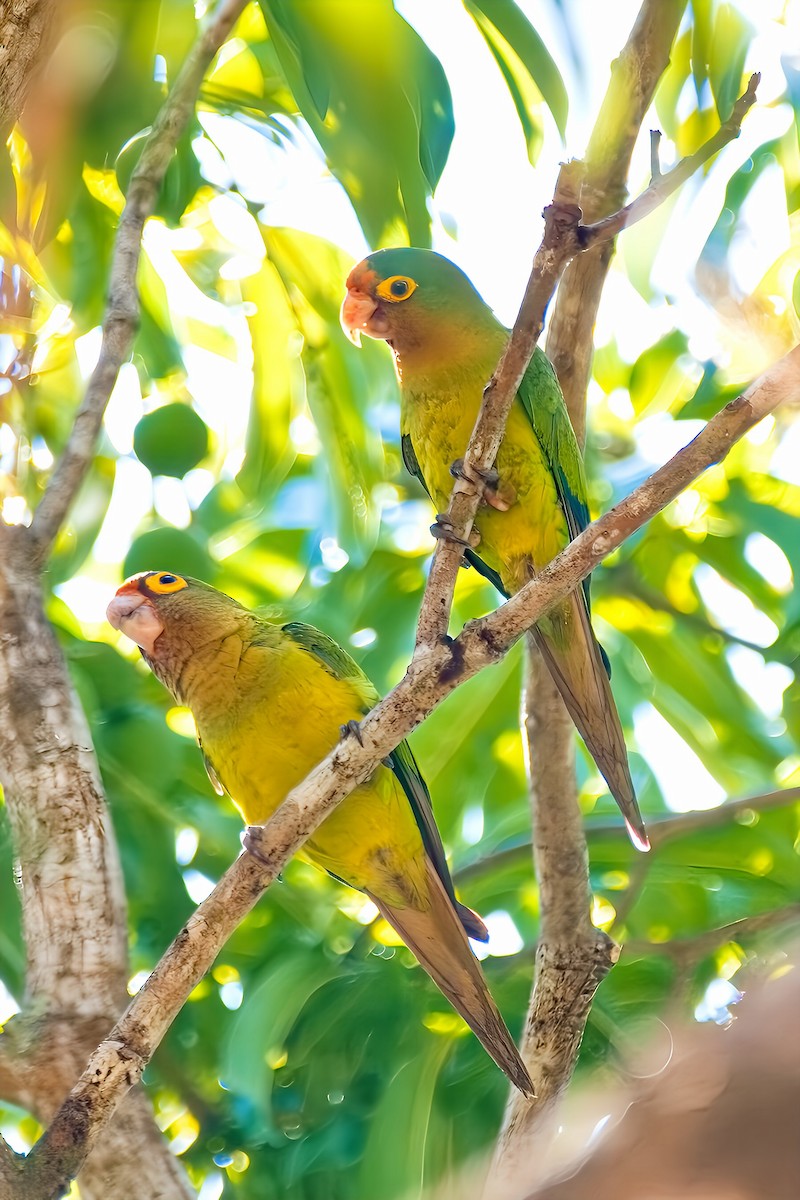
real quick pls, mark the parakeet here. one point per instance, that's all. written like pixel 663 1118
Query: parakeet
pixel 446 343
pixel 269 702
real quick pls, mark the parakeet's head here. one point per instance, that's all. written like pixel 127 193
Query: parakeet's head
pixel 409 298
pixel 170 617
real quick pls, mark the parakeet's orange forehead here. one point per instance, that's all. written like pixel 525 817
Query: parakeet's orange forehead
pixel 132 583
pixel 363 277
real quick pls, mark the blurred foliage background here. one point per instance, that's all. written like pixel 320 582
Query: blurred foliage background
pixel 249 444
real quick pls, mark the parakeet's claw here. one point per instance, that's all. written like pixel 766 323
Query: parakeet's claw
pixel 252 839
pixel 443 528
pixel 351 729
pixel 489 478
pixel 493 492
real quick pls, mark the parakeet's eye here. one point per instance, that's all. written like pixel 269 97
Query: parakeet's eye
pixel 399 287
pixel 163 583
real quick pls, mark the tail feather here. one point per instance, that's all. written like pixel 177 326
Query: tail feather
pixel 576 663
pixel 437 938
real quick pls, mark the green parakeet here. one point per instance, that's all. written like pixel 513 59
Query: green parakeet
pixel 446 343
pixel 269 702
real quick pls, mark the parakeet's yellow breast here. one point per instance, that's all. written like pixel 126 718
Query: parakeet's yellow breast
pixel 533 530
pixel 281 721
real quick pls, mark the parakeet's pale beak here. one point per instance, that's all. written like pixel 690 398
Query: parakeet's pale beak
pixel 357 311
pixel 132 614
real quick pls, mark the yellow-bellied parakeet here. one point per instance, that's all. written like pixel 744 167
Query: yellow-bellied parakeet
pixel 446 343
pixel 269 702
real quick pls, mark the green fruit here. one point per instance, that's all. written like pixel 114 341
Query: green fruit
pixel 171 440
pixel 168 550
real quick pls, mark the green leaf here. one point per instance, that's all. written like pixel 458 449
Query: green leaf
pixel 656 376
pixel 702 34
pixel 378 102
pixel 278 391
pixel 731 41
pixel 340 382
pixel 505 28
pixel 395 1150
pixel 170 550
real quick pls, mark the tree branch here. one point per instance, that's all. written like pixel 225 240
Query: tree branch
pixel 634 77
pixel 572 955
pixel 122 310
pixel 120 1059
pixel 27 30
pixel 666 184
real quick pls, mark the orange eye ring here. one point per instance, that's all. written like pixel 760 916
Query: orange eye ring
pixel 396 288
pixel 163 583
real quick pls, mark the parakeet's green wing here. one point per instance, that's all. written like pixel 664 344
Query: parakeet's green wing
pixel 401 760
pixel 541 398
pixel 334 659
pixel 408 773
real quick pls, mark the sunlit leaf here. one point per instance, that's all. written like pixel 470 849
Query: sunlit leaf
pixel 519 52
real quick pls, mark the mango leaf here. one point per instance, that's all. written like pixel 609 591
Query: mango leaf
pixel 395 1150
pixel 378 102
pixel 340 382
pixel 656 375
pixel 278 391
pixel 522 56
pixel 731 39
pixel 86 516
pixel 702 33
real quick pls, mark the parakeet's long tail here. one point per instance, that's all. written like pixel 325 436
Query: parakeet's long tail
pixel 437 938
pixel 574 659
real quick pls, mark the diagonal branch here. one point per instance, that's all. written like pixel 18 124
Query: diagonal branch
pixel 119 1061
pixel 122 309
pixel 564 238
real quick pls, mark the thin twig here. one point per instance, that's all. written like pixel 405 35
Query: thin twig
pixel 120 1059
pixel 122 309
pixel 660 830
pixel 665 185
pixel 655 157
pixel 692 949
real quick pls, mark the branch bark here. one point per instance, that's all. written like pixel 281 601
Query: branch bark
pixel 119 1061
pixel 27 31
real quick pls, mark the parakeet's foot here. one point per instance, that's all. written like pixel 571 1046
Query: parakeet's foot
pixel 252 840
pixel 493 492
pixel 443 528
pixel 351 729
